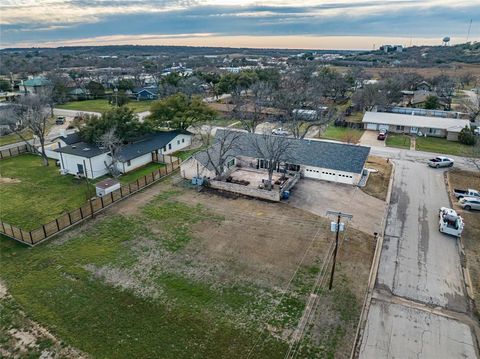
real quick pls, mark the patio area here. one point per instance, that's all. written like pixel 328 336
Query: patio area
pixel 253 178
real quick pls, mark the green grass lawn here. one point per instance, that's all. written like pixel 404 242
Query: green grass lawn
pixel 102 105
pixel 342 134
pixel 13 138
pixel 398 140
pixel 140 172
pixel 184 154
pixel 441 145
pixel 35 194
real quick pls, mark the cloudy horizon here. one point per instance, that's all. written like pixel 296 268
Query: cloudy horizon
pixel 312 24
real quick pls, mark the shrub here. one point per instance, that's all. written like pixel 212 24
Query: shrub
pixel 466 136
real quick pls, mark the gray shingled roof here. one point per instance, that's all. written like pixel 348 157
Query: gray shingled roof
pixel 146 144
pixel 324 154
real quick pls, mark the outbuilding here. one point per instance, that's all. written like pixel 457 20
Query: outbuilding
pixel 106 186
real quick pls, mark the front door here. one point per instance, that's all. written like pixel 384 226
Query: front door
pixel 413 129
pixel 80 169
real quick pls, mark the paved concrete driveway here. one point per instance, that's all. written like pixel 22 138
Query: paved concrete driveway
pixel 369 138
pixel 420 269
pixel 319 196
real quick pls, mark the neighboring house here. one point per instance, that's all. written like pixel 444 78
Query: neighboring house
pixel 412 124
pixel 329 161
pixel 424 86
pixel 66 139
pixel 91 160
pixel 420 97
pixel 145 93
pixel 79 94
pixel 34 85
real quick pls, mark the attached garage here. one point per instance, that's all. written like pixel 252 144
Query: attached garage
pixel 372 126
pixel 329 175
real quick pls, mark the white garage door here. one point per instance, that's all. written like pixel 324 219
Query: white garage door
pixel 372 126
pixel 328 175
pixel 312 173
pixel 345 178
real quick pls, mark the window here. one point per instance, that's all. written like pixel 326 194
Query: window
pixel 178 142
pixel 128 163
pixel 400 128
pixel 183 140
pixel 169 146
pixel 231 163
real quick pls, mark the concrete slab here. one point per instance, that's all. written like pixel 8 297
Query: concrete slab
pixel 398 331
pixel 319 196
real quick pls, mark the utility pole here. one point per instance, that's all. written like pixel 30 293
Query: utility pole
pixel 336 227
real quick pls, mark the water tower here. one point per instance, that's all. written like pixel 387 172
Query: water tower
pixel 446 40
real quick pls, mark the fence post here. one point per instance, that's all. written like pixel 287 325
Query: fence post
pixel 138 185
pixel 69 218
pixel 10 152
pixel 111 196
pixel 44 231
pixel 81 213
pixel 121 191
pixel 21 235
pixel 58 226
pixel 101 199
pixel 129 188
pixel 153 176
pixel 3 227
pixel 31 238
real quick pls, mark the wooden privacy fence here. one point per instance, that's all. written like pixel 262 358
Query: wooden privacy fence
pixel 88 210
pixel 15 151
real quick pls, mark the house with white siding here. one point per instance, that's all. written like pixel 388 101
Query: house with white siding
pixel 415 124
pixel 317 159
pixel 90 160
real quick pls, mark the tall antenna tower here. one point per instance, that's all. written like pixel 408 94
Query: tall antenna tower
pixel 469 28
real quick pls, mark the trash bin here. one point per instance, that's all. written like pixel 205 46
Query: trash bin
pixel 286 194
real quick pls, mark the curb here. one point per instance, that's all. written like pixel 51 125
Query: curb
pixel 373 272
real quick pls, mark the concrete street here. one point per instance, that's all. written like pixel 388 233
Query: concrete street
pixel 419 269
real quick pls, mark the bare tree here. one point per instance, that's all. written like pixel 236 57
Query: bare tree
pixel 273 150
pixel 302 102
pixel 249 110
pixel 368 97
pixel 223 150
pixel 30 113
pixel 471 104
pixel 111 141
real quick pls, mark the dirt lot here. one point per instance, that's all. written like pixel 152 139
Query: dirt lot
pixel 377 184
pixel 471 234
pixel 175 261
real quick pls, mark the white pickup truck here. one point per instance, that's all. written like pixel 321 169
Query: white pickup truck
pixel 450 222
pixel 440 161
pixel 460 193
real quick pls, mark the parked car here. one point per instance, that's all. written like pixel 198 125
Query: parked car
pixel 460 193
pixel 60 120
pixel 382 135
pixel 450 222
pixel 440 161
pixel 280 132
pixel 469 203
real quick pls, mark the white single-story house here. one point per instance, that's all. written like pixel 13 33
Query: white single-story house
pixel 323 160
pixel 86 159
pixel 414 124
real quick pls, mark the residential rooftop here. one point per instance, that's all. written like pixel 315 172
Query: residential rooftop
pixel 386 118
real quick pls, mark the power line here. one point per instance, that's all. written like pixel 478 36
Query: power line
pixel 285 290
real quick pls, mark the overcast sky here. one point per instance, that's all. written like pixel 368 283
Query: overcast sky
pixel 320 24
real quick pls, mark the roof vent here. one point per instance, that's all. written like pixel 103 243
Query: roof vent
pixel 73 146
pixel 86 149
